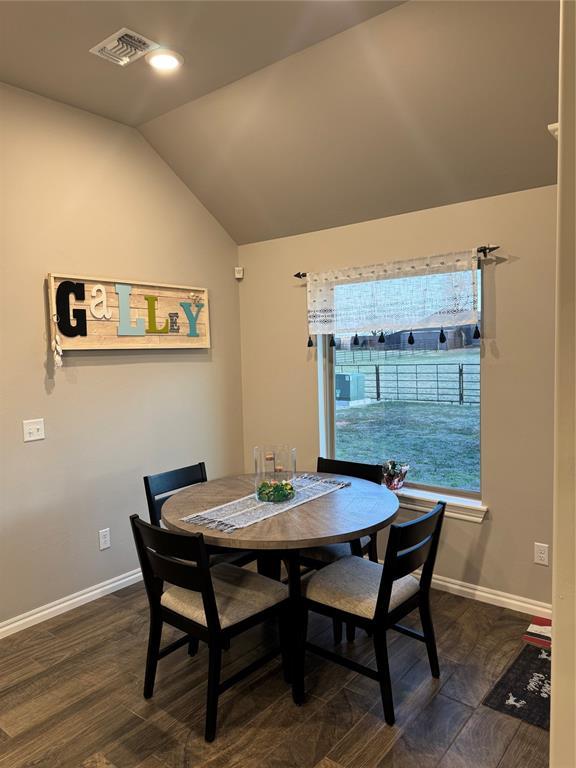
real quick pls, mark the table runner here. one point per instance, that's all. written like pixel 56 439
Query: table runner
pixel 248 510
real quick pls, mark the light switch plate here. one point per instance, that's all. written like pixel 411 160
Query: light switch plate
pixel 104 538
pixel 33 430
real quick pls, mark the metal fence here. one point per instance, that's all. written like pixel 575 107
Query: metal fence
pixel 421 382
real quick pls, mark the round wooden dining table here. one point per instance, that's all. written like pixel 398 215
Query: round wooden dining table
pixel 359 509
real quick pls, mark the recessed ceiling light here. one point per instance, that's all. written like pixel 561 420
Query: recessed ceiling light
pixel 164 60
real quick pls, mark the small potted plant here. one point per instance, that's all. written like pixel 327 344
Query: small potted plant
pixel 394 473
pixel 275 490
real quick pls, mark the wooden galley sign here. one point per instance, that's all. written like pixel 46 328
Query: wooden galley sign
pixel 93 313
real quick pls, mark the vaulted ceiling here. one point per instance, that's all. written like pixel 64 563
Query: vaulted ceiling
pixel 428 104
pixel 281 123
pixel 45 44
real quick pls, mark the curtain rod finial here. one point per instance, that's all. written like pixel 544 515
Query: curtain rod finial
pixel 486 249
pixel 300 275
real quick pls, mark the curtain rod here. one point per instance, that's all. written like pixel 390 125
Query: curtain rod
pixel 483 250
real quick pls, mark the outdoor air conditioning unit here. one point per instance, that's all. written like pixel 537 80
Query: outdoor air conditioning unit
pixel 349 386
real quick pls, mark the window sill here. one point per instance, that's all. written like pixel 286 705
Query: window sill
pixel 457 507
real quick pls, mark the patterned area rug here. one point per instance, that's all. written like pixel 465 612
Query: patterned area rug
pixel 523 691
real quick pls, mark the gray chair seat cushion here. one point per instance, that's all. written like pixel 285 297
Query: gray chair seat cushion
pixel 239 594
pixel 352 583
pixel 329 553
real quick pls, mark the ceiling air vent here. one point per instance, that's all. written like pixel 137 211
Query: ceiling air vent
pixel 124 47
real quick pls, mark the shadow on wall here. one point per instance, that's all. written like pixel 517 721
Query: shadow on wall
pixel 489 289
pixel 470 563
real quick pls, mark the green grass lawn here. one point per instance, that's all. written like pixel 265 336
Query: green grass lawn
pixel 441 442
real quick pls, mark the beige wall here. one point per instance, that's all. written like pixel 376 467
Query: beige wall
pixel 84 195
pixel 279 372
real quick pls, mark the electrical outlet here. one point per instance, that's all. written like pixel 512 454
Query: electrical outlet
pixel 33 430
pixel 104 538
pixel 540 553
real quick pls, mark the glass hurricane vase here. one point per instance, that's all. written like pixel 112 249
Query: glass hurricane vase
pixel 274 463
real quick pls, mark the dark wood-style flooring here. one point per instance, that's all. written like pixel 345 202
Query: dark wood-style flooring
pixel 71 697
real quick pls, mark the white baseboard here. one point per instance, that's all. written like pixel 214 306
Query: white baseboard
pixel 44 612
pixel 493 596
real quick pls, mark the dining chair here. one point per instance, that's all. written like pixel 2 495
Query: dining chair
pixel 163 485
pixel 376 597
pixel 318 557
pixel 365 546
pixel 209 604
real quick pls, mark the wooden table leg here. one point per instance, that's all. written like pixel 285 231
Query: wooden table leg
pixel 270 565
pixel 299 625
pixel 356 548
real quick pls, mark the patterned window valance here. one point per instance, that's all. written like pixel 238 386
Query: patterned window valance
pixel 432 292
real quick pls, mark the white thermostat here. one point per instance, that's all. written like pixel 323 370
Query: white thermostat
pixel 238 273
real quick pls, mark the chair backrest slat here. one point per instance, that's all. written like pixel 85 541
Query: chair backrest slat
pixel 172 571
pixel 184 546
pixel 371 472
pixel 176 558
pixel 409 560
pixel 414 531
pixel 164 483
pixel 411 545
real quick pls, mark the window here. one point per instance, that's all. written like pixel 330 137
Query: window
pixel 409 387
pixel 419 404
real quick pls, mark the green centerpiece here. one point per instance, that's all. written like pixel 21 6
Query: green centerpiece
pixel 274 490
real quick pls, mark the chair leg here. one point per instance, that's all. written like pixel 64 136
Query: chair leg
pixel 154 638
pixel 350 632
pixel 373 548
pixel 214 665
pixel 356 548
pixel 284 627
pixel 193 644
pixel 428 629
pixel 299 656
pixel 337 631
pixel 381 652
